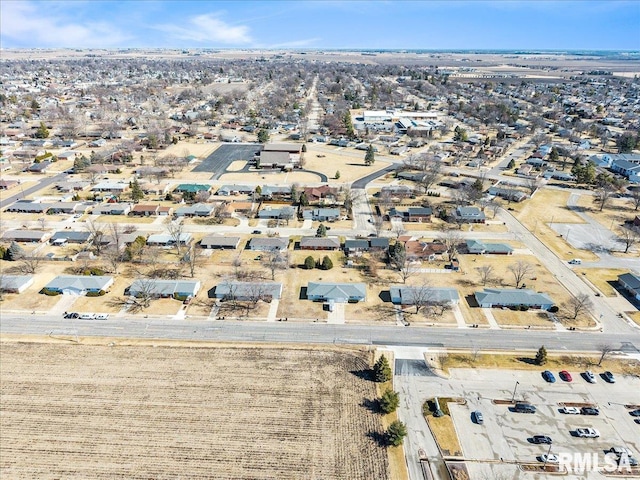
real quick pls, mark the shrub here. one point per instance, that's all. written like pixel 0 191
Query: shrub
pixel 49 293
pixel 554 309
pixel 99 293
pixel 182 298
pixel 524 308
pixel 327 264
pixel 309 263
pixel 541 356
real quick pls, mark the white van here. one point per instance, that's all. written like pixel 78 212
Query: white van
pixel 575 261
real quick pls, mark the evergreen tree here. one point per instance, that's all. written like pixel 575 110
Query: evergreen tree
pixel 396 433
pixel 309 263
pixel 14 253
pixel 322 231
pixel 43 131
pixel 337 175
pixel 304 148
pixel 263 136
pixel 541 356
pixel 348 124
pixel 382 370
pixel 303 200
pixel 136 192
pixel 389 401
pixel 327 264
pixel 370 156
pixel 554 155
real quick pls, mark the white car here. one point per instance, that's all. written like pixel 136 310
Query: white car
pixel 551 458
pixel 87 316
pixel 591 378
pixel 570 410
pixel 587 432
pixel 102 316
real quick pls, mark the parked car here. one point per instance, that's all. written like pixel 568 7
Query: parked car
pixel 524 408
pixel 548 376
pixel 619 451
pixel 257 232
pixel 102 316
pixel 608 377
pixel 589 376
pixel 635 413
pixel 71 315
pixel 570 410
pixel 566 376
pixel 549 458
pixel 587 432
pixel 87 316
pixel 575 261
pixel 478 418
pixel 541 439
pixel 589 411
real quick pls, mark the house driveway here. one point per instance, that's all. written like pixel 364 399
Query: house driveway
pixel 337 316
pixel 64 304
pixel 273 310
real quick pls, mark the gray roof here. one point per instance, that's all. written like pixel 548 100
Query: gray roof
pixel 631 280
pixel 336 291
pixel 249 289
pixel 282 147
pixel 274 158
pixel 269 243
pixel 221 241
pixel 469 212
pixel 281 212
pixel 166 239
pixel 164 287
pixel 379 242
pixel 195 209
pixel 226 189
pixel 409 295
pixel 14 282
pixel 112 207
pixel 497 296
pixel 80 282
pixel 480 246
pixel 70 235
pixel 320 242
pixel 350 244
pixel 268 190
pixel 32 235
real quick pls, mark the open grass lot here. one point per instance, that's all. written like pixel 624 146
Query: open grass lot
pixel 143 412
pixel 512 317
pixel 613 215
pixel 603 279
pixel 550 206
pixel 349 162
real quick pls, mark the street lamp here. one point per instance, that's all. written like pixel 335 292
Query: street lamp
pixel 514 392
pixel 546 459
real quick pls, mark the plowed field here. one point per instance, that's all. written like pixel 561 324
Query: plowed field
pixel 139 412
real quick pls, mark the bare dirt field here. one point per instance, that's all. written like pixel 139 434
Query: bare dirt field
pixel 91 411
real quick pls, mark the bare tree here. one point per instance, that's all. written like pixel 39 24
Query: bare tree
pixel 98 234
pixel 494 206
pixel 29 264
pixel 605 349
pixel 175 229
pixel 193 258
pixel 635 198
pixel 43 223
pixel 350 196
pixel 486 274
pixel 628 237
pixel 116 231
pixel 532 184
pixel 275 260
pixel 114 257
pixel 398 229
pixel 378 222
pixel 451 239
pixel 520 270
pixel 143 295
pixel 422 296
pixel 402 264
pixel 430 167
pixel 579 304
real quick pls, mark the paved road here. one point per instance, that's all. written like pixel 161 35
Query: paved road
pixel 44 182
pixel 320 333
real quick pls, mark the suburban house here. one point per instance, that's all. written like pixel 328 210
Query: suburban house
pixel 15 283
pixel 69 236
pixel 355 247
pixel 166 240
pixel 40 167
pixel 469 215
pixel 380 244
pixel 496 297
pixel 75 186
pixel 195 210
pixel 336 292
pixel 412 214
pixel 420 250
pixel 510 194
pixel 270 192
pixel 164 288
pixel 320 243
pixel 192 188
pixel 629 169
pixel 268 244
pixel 321 214
pixel 28 206
pixel 631 283
pixel 285 213
pixel 280 155
pixel 479 247
pixel 26 236
pixel 322 194
pixel 116 188
pixel 227 190
pixel 79 284
pixel 397 191
pixel 248 291
pixel 218 242
pixel 112 209
pixel 7 184
pixel 402 295
pixel 636 221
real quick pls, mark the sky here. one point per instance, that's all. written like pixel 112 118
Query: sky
pixel 308 24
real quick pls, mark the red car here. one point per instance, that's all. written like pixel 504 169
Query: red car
pixel 566 376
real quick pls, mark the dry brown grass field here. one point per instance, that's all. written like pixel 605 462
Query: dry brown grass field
pixel 140 412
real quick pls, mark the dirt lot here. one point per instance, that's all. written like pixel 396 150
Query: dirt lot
pixel 72 411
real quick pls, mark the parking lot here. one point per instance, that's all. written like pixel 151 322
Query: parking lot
pixel 495 447
pixel 227 153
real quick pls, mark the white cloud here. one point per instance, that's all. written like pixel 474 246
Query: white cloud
pixel 24 24
pixel 209 28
